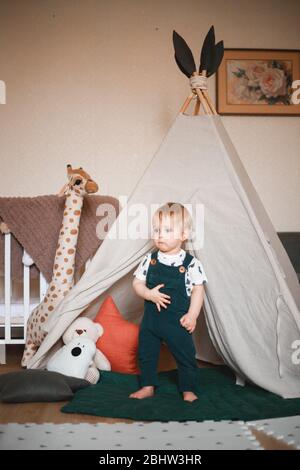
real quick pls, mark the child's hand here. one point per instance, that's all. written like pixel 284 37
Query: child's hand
pixel 158 298
pixel 188 321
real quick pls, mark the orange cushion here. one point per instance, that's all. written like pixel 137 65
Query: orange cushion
pixel 119 342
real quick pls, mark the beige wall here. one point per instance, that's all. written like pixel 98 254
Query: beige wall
pixel 94 83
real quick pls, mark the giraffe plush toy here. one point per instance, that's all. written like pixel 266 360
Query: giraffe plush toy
pixel 79 184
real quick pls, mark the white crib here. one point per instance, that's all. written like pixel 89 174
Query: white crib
pixel 15 312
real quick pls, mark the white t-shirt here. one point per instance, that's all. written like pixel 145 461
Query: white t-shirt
pixel 194 274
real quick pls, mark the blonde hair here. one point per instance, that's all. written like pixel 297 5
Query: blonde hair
pixel 176 212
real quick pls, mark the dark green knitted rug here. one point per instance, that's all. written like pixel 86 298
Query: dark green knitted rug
pixel 219 399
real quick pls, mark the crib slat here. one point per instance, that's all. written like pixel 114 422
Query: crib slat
pixel 7 285
pixel 26 295
pixel 27 304
pixel 2 353
pixel 43 287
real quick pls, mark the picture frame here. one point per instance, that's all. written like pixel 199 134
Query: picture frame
pixel 258 82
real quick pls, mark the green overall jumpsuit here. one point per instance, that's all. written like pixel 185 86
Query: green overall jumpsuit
pixel 165 326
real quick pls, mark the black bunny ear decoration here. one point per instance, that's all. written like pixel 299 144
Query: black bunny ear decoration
pixel 207 52
pixel 210 58
pixel 183 55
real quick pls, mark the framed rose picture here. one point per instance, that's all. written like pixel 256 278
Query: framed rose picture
pixel 258 81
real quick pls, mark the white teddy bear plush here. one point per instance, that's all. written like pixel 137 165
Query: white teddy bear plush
pixel 74 358
pixel 80 351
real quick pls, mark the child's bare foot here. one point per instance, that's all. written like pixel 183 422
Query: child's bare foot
pixel 144 392
pixel 189 396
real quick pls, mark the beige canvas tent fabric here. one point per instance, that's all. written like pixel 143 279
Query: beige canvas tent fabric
pixel 252 298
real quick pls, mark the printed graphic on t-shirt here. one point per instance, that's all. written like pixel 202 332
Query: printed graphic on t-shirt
pixel 194 275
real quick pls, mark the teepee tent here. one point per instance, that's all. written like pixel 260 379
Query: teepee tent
pixel 251 315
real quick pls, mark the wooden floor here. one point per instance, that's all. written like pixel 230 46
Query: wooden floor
pixel 50 412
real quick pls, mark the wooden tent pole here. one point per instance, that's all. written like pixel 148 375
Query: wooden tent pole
pixel 207 97
pixel 197 107
pixel 186 103
pixel 203 99
pixel 210 103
